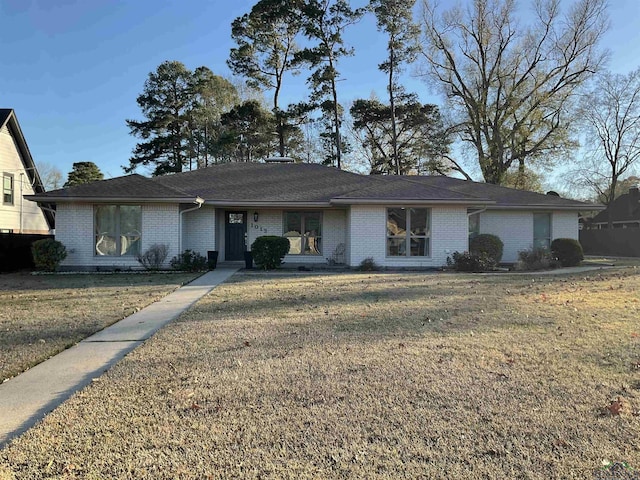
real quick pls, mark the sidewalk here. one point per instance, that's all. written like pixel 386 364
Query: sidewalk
pixel 27 398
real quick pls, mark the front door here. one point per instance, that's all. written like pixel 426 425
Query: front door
pixel 235 237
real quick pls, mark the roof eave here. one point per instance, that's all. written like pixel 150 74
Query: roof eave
pixel 585 207
pixel 407 201
pixel 264 203
pixel 50 199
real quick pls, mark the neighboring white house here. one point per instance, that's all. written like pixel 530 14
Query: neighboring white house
pixel 19 178
pixel 328 215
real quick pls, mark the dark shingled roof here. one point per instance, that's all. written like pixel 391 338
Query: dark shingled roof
pixel 270 182
pixel 503 196
pixel 131 186
pixel 304 183
pixel 625 208
pixel 400 188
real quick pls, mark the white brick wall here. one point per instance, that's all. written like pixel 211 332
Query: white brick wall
pixel 515 229
pixel 367 236
pixel 271 222
pixel 74 228
pixel 362 229
pixel 199 230
pixel 564 225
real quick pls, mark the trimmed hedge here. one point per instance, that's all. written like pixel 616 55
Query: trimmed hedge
pixel 567 251
pixel 487 245
pixel 469 262
pixel 47 254
pixel 189 261
pixel 269 250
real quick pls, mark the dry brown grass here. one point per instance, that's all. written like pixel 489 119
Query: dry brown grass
pixel 44 314
pixel 365 376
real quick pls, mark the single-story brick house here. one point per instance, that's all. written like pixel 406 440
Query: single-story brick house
pixel 328 215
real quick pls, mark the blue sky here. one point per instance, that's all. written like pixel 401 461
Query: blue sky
pixel 72 69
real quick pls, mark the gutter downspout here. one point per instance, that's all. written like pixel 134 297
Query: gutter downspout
pixel 21 200
pixel 199 202
pixel 53 213
pixel 476 212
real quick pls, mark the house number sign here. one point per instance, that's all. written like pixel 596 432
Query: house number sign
pixel 258 227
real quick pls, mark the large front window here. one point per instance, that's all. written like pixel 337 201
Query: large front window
pixel 304 231
pixel 408 232
pixel 117 229
pixel 7 189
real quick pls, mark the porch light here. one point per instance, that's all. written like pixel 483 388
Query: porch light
pixel 255 216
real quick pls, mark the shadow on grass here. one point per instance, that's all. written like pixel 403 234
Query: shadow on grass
pixel 19 281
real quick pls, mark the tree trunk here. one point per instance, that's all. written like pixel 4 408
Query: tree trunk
pixel 336 117
pixel 392 104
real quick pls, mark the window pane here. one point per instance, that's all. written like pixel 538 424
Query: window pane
pixel 295 245
pixel 312 224
pixel 106 230
pixel 293 224
pixel 474 226
pixel 396 247
pixel 419 221
pixel 396 222
pixel 7 189
pixel 419 247
pixel 313 246
pixel 236 217
pixel 130 226
pixel 541 230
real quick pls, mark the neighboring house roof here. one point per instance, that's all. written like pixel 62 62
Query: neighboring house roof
pixel 8 119
pixel 131 187
pixel 625 208
pixel 305 184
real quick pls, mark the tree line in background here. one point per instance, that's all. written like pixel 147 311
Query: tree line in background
pixel 518 95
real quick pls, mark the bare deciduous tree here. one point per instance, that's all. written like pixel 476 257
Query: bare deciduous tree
pixel 51 176
pixel 512 84
pixel 610 112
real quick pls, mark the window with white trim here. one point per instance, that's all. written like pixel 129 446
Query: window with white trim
pixel 117 230
pixel 304 231
pixel 7 189
pixel 408 232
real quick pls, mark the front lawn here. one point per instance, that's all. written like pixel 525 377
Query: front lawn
pixel 406 375
pixel 41 315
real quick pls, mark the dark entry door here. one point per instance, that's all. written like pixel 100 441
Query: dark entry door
pixel 235 227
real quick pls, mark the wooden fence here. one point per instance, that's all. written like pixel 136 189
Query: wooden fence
pixel 618 242
pixel 15 250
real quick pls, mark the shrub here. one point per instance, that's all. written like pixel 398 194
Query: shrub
pixel 154 257
pixel 47 254
pixel 269 250
pixel 368 265
pixel 189 261
pixel 468 262
pixel 567 251
pixel 487 245
pixel 535 259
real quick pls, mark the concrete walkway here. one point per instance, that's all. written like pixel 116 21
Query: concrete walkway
pixel 27 398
